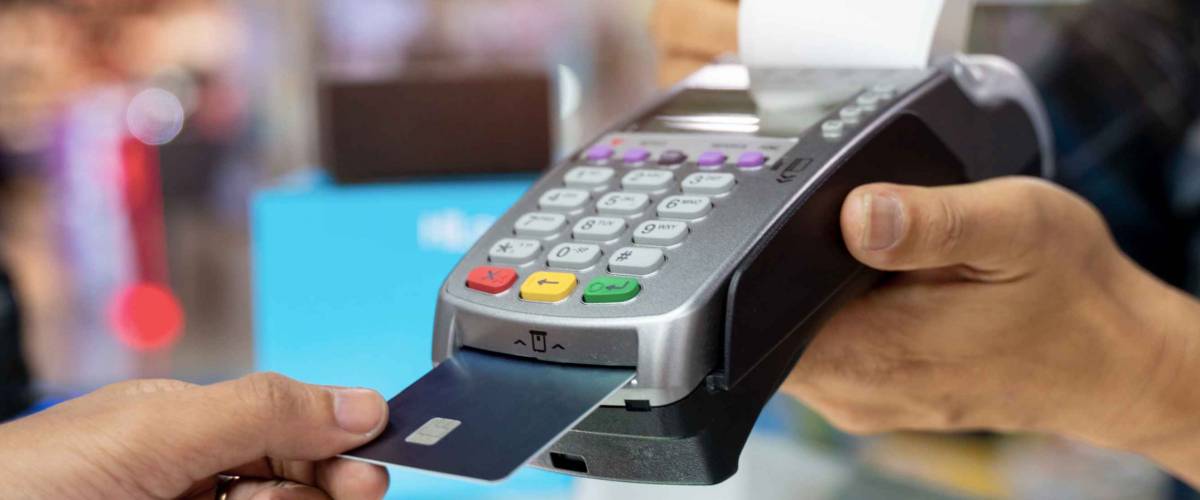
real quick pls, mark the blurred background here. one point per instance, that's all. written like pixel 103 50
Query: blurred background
pixel 198 189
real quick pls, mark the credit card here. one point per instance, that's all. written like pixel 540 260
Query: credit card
pixel 482 416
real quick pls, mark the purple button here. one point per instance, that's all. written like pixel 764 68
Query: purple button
pixel 751 159
pixel 636 155
pixel 599 153
pixel 711 159
pixel 672 157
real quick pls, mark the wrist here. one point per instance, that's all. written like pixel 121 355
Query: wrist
pixel 1150 403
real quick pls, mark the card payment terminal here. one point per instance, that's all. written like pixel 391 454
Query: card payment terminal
pixel 686 257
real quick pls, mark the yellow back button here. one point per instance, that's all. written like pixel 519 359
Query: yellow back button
pixel 545 286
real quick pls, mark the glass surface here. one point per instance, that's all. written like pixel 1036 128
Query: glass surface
pixel 703 111
pixel 778 102
pixel 711 111
pixel 744 112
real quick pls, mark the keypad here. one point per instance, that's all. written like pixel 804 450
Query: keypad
pixel 514 250
pixel 614 218
pixel 684 206
pixel 539 224
pixel 562 199
pixel 573 255
pixel 636 260
pixel 660 232
pixel 621 203
pixel 588 177
pixel 597 228
pixel 647 180
pixel 714 183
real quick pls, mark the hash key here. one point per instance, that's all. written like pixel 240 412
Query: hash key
pixel 635 260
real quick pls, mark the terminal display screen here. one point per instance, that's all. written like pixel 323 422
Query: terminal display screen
pixel 766 102
pixel 721 111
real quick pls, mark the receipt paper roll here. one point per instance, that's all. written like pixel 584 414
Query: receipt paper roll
pixel 850 33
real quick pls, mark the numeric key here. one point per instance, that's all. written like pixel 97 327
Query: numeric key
pixel 647 180
pixel 598 228
pixel 660 232
pixel 684 206
pixel 622 203
pixel 588 177
pixel 539 224
pixel 573 255
pixel 563 200
pixel 715 183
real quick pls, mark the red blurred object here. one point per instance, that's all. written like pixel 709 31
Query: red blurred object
pixel 146 317
pixel 143 200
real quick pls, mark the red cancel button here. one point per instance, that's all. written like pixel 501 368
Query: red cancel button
pixel 491 279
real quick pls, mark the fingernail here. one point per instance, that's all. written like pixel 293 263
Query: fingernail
pixel 882 214
pixel 357 410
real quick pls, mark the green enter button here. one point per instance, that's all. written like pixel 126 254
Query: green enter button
pixel 611 289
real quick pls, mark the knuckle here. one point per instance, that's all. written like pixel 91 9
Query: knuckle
pixel 1056 213
pixel 843 414
pixel 1040 200
pixel 124 388
pixel 159 385
pixel 139 387
pixel 949 225
pixel 798 386
pixel 281 490
pixel 271 395
pixel 855 422
pixel 948 417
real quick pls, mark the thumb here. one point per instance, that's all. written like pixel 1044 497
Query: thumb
pixel 995 226
pixel 233 423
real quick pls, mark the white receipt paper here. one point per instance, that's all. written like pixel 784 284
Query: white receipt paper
pixel 850 33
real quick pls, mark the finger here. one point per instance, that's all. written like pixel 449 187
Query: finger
pixel 995 226
pixel 695 28
pixel 272 415
pixel 672 69
pixel 691 33
pixel 262 468
pixel 263 415
pixel 274 489
pixel 297 471
pixel 352 480
pixel 300 471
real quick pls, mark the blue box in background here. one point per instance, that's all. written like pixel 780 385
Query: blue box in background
pixel 345 283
